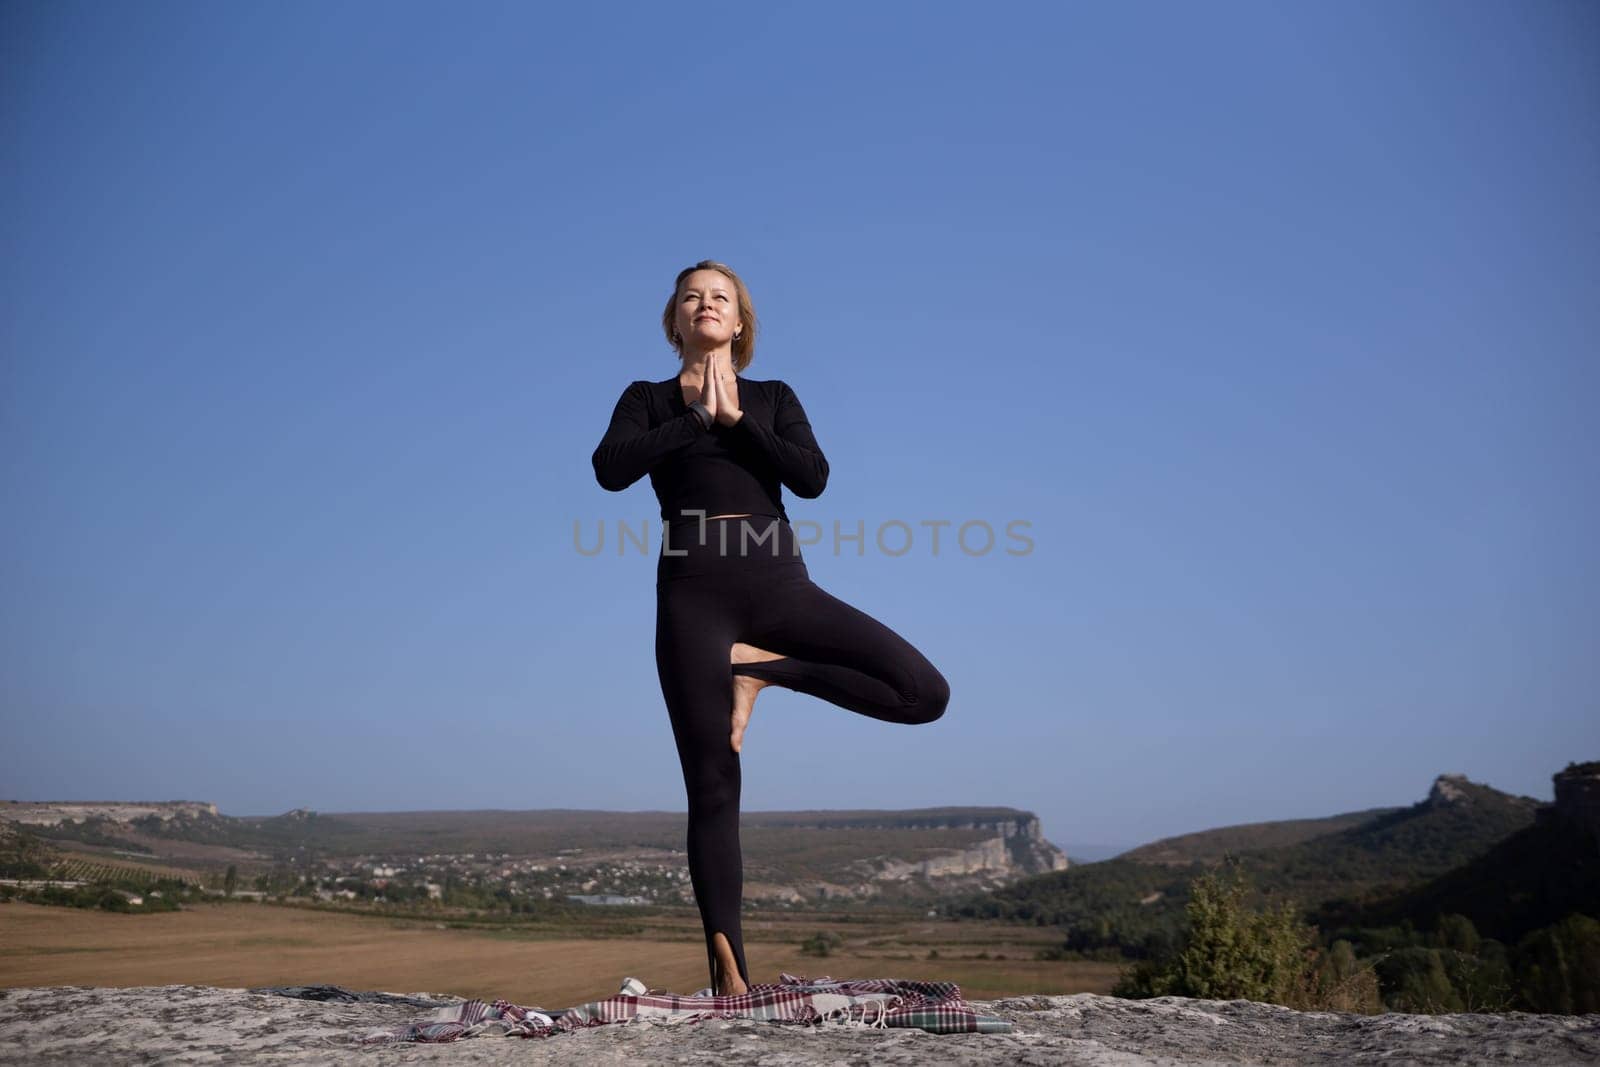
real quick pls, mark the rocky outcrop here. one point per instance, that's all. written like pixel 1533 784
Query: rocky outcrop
pixel 46 813
pixel 1577 802
pixel 1031 853
pixel 202 1024
pixel 1450 789
pixel 986 857
pixel 915 871
pixel 1019 850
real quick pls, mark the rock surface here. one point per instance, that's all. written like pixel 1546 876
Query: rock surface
pixel 184 1024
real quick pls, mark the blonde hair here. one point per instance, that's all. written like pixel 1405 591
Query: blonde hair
pixel 744 346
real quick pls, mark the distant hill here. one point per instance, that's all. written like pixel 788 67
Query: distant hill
pixel 793 856
pixel 1458 820
pixel 1092 853
pixel 1210 846
pixel 1137 906
pixel 1535 877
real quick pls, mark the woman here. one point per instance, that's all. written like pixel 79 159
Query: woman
pixel 736 609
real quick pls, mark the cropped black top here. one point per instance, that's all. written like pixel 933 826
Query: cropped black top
pixel 696 470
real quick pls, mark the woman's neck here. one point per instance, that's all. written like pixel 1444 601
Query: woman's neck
pixel 694 363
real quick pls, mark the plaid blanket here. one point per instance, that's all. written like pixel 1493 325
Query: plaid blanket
pixel 866 1002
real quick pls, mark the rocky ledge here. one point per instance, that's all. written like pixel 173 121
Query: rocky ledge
pixel 182 1024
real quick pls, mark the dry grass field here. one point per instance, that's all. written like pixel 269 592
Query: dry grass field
pixel 243 944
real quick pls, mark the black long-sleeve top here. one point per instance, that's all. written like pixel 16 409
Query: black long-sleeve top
pixel 697 470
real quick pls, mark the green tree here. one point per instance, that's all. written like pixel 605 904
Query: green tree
pixel 1232 953
pixel 1229 951
pixel 230 881
pixel 1415 980
pixel 26 855
pixel 1457 933
pixel 1558 967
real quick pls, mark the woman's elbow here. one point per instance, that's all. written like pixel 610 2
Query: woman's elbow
pixel 608 476
pixel 812 486
pixel 933 696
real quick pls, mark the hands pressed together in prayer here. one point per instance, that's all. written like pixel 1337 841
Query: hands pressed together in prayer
pixel 720 391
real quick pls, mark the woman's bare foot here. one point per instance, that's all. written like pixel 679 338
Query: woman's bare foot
pixel 730 984
pixel 745 689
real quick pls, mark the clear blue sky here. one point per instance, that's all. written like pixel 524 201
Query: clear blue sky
pixel 1277 322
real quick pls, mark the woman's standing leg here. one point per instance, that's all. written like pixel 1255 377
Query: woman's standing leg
pixel 696 624
pixel 838 653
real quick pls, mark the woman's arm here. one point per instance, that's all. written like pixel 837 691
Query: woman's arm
pixel 630 448
pixel 789 444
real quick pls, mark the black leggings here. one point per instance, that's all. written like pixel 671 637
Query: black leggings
pixel 707 599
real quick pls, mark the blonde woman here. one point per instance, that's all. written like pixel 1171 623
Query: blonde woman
pixel 736 609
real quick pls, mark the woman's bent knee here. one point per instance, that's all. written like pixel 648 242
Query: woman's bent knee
pixel 933 695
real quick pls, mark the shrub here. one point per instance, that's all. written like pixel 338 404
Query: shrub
pixel 1228 951
pixel 1344 983
pixel 821 944
pixel 1559 967
pixel 1414 980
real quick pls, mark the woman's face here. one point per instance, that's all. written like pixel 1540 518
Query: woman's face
pixel 708 310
